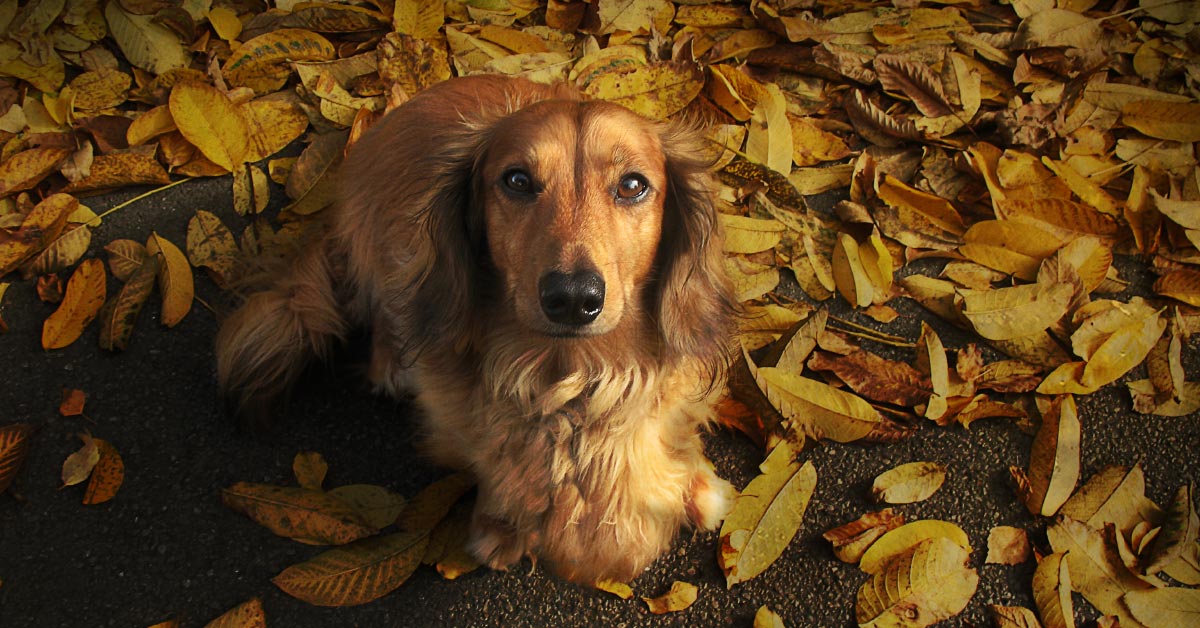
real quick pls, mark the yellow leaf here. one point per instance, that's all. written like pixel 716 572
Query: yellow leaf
pixel 1165 608
pixel 377 505
pixel 85 295
pixel 908 483
pixel 251 192
pixel 1097 570
pixel 78 466
pixel 1115 495
pixel 619 589
pixel 766 516
pixel 146 43
pixel 99 89
pixel 174 279
pixel 926 584
pixel 149 125
pixel 1013 617
pixel 248 614
pixel 1007 546
pixel 634 16
pixel 1052 592
pixel 1179 122
pixel 261 63
pixel 1054 460
pixel 769 141
pixel 852 539
pixel 735 92
pixel 62 253
pixel 901 540
pixel 654 91
pixel 681 596
pixel 211 122
pixel 419 18
pixel 356 573
pixel 1182 284
pixel 27 168
pixel 812 145
pixel 1009 247
pixel 848 273
pixel 225 23
pixel 937 210
pixel 270 126
pixel 750 280
pixel 750 235
pixel 119 169
pixel 817 409
pixel 1087 190
pixel 1006 313
pixel 766 618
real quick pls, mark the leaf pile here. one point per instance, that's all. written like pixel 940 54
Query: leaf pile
pixel 998 157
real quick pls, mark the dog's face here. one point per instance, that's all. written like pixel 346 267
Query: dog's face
pixel 572 195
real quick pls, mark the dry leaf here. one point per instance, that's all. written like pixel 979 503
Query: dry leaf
pixel 145 42
pixel 1007 313
pixel 619 589
pixel 78 466
pixel 817 409
pixel 119 315
pixel 310 468
pixel 14 447
pixel 922 586
pixel 1097 571
pixel 306 515
pixel 1052 592
pixel 876 378
pixel 1179 531
pixel 378 506
pixel 680 597
pixel 908 483
pixel 38 229
pixel 766 618
pixel 107 475
pixel 766 516
pixel 211 245
pixel 85 295
pixel 852 539
pixel 27 168
pixel 1013 617
pixel 1054 460
pixel 1164 120
pixel 72 402
pixel 248 614
pixel 427 508
pixel 211 122
pixel 1165 608
pixel 261 63
pixel 1007 546
pixel 356 573
pixel 174 279
pixel 125 257
pixel 903 539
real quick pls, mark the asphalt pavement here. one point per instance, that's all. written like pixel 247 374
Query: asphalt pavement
pixel 166 548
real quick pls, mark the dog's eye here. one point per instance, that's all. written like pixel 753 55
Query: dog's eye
pixel 518 181
pixel 632 187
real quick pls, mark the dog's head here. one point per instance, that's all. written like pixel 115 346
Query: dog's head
pixel 582 219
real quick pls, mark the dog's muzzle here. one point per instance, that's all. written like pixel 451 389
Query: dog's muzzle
pixel 572 300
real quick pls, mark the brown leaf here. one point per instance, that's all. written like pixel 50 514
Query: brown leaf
pixel 119 315
pixel 107 476
pixel 121 169
pixel 72 402
pixel 1054 460
pixel 309 516
pixel 248 614
pixel 14 447
pixel 38 229
pixel 917 81
pixel 356 573
pixel 310 468
pixel 851 540
pixel 27 168
pixel 1007 546
pixel 876 378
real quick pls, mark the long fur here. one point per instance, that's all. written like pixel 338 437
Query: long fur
pixel 586 449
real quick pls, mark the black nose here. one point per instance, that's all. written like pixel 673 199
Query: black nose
pixel 574 299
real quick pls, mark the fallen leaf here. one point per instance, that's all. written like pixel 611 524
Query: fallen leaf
pixel 1165 608
pixel 1007 313
pixel 1164 120
pixel 261 63
pixel 61 254
pixel 655 91
pixel 85 295
pixel 922 586
pixel 72 402
pixel 38 229
pixel 766 516
pixel 1052 592
pixel 1054 460
pixel 211 245
pixel 120 313
pixel 1007 546
pixel 310 468
pixel 248 614
pixel 903 539
pixel 356 573
pixel 1097 571
pixel 427 508
pixel 680 597
pixel 26 169
pixel 14 447
pixel 78 466
pixel 1013 617
pixel 908 483
pixel 852 539
pixel 211 122
pixel 305 515
pixel 817 409
pixel 767 618
pixel 174 279
pixel 378 506
pixel 107 475
pixel 1179 532
pixel 619 589
pixel 145 42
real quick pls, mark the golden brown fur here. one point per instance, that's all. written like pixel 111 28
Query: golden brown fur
pixel 583 437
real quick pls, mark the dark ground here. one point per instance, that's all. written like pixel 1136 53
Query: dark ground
pixel 167 548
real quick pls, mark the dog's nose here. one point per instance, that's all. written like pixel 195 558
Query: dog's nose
pixel 574 299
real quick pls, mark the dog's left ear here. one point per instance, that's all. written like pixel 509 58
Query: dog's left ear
pixel 695 301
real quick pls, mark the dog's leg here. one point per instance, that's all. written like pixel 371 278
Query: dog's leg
pixel 710 498
pixel 388 371
pixel 264 346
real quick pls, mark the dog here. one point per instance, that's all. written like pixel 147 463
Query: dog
pixel 543 272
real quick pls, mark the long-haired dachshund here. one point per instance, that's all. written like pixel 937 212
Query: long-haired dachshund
pixel 543 272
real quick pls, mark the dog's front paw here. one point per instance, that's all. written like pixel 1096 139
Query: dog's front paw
pixel 494 542
pixel 710 499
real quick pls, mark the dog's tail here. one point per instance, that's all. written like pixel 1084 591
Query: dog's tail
pixel 265 345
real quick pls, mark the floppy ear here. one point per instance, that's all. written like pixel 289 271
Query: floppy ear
pixel 695 302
